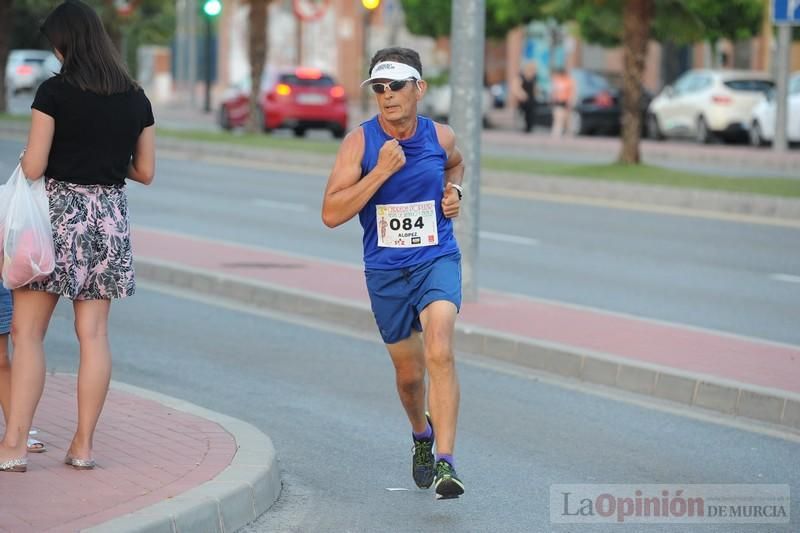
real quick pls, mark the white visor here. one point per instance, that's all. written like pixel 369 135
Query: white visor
pixel 391 70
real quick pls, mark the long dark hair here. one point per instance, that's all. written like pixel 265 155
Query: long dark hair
pixel 90 60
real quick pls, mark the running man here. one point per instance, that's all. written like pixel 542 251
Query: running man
pixel 408 167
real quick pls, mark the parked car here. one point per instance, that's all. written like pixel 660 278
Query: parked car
pixel 762 122
pixel 598 105
pixel 26 69
pixel 298 98
pixel 705 104
pixel 436 104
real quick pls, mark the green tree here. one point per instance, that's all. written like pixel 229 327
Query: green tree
pixel 632 23
pixel 150 22
pixel 433 17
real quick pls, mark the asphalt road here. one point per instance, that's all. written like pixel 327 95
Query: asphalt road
pixel 729 276
pixel 328 402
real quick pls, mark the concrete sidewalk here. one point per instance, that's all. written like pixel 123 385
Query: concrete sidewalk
pixel 164 465
pixel 705 369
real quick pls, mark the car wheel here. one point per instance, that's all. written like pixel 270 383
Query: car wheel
pixel 756 136
pixel 299 131
pixel 702 135
pixel 653 129
pixel 337 132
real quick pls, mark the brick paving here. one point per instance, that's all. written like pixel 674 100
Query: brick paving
pixel 146 452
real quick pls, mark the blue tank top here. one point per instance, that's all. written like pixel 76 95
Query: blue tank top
pixel 421 179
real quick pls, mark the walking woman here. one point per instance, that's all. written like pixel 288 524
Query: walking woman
pixel 91 128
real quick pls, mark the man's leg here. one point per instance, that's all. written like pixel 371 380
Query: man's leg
pixel 438 323
pixel 409 364
pixel 558 121
pixel 530 111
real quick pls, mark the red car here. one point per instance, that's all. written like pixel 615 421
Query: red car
pixel 298 98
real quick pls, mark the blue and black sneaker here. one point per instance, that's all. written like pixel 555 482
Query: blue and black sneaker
pixel 446 483
pixel 422 462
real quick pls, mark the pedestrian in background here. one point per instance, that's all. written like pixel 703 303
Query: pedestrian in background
pixel 91 128
pixel 407 168
pixel 525 93
pixel 562 96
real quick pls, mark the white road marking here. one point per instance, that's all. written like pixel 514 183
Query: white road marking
pixel 286 206
pixel 513 239
pixel 788 278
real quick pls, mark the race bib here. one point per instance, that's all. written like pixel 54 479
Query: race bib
pixel 407 225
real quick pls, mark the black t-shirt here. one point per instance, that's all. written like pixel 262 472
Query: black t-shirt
pixel 95 135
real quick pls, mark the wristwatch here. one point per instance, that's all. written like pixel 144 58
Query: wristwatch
pixel 459 189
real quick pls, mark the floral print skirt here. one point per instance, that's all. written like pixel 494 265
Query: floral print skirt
pixel 92 241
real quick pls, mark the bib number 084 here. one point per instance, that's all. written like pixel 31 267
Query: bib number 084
pixel 406 223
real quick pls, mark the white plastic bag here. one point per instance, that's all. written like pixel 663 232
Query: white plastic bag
pixel 28 252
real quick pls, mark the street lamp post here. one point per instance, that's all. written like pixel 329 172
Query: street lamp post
pixel 211 8
pixel 466 117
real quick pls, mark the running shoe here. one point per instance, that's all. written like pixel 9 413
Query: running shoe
pixel 446 482
pixel 422 461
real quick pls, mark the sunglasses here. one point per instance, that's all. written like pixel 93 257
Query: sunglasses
pixel 397 85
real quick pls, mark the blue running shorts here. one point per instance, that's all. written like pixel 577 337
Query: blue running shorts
pixel 399 296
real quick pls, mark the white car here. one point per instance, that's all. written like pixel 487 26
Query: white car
pixel 436 104
pixel 26 69
pixel 704 104
pixel 762 125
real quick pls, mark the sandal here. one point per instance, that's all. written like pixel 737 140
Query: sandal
pixel 14 465
pixel 36 446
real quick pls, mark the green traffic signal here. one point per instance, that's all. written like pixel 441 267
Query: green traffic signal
pixel 212 8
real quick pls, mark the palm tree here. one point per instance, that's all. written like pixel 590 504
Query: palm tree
pixel 258 19
pixel 636 23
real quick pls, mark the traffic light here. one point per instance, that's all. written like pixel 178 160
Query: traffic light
pixel 212 8
pixel 370 4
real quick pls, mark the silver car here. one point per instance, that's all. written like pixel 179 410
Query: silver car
pixel 26 69
pixel 707 103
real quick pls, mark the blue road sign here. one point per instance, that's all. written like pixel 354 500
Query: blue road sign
pixel 786 12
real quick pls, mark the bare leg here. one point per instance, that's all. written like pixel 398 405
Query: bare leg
pixel 32 312
pixel 5 377
pixel 409 364
pixel 438 323
pixel 558 120
pixel 94 373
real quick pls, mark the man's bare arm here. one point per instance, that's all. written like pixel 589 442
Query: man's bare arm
pixel 453 171
pixel 347 192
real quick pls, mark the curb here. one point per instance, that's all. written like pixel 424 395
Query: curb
pixel 773 406
pixel 770 207
pixel 237 496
